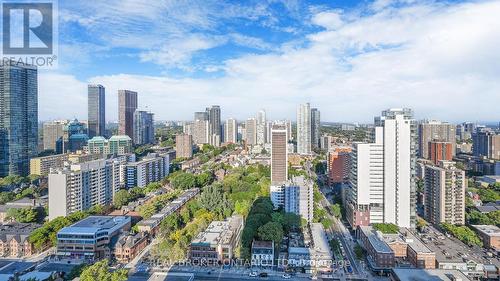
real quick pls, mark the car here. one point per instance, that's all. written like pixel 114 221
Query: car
pixel 263 274
pixel 286 276
pixel 253 274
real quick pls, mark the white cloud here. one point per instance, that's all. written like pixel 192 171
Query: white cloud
pixel 178 52
pixel 439 59
pixel 328 20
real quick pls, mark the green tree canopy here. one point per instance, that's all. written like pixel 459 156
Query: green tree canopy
pixel 271 231
pixel 100 271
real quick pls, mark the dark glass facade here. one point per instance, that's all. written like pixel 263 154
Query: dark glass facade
pixel 18 118
pixel 96 111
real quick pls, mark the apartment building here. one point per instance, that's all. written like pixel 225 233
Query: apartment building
pixel 338 165
pixel 433 130
pixel 298 197
pixel 118 145
pixel 382 177
pixel 279 154
pixel 41 165
pixel 444 193
pixel 184 146
pixel 365 197
pixel 440 151
pixel 77 187
pixel 153 167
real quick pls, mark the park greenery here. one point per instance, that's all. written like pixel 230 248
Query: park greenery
pixel 177 231
pixel 100 271
pixel 264 223
pixel 359 134
pixel 475 217
pixel 242 191
pixel 386 228
pixel 462 233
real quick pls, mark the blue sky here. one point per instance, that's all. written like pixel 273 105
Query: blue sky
pixel 351 59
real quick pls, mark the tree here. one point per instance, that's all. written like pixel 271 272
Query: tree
pixel 421 224
pixel 359 252
pixel 242 207
pixel 204 179
pixel 214 200
pixel 291 222
pixel 271 231
pixel 336 210
pixel 183 181
pixel 463 233
pixel 99 271
pixel 387 228
pixel 488 195
pixel 22 215
pixel 170 224
pixel 121 198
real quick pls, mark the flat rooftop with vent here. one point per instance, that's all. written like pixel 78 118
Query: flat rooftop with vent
pixel 218 241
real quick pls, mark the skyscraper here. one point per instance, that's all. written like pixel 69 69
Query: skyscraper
pixel 298 197
pixel 435 131
pixel 397 132
pixel 96 110
pixel 251 131
pixel 183 146
pixel 261 127
pixel 201 115
pixel 81 186
pixel 444 193
pixel 440 150
pixel 279 154
pixel 18 117
pixel 144 131
pixel 315 127
pixel 127 104
pixel 200 130
pixel 486 143
pixel 213 114
pixel 304 129
pixel 365 199
pixel 231 131
pixel 52 133
pixel 382 178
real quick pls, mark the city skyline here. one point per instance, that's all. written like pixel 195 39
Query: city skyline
pixel 279 55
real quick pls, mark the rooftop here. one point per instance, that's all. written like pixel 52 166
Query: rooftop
pixel 451 250
pixel 490 230
pixel 262 244
pixel 94 224
pixel 412 274
pixel 375 238
pixel 320 241
pixel 219 232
